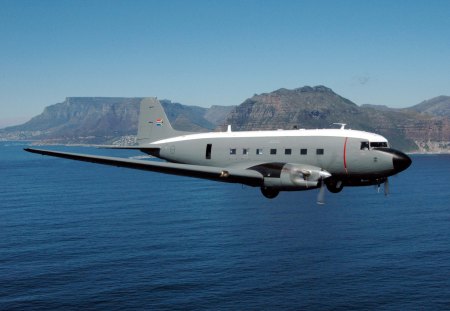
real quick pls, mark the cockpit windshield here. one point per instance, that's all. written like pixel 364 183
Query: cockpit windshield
pixel 365 145
pixel 378 144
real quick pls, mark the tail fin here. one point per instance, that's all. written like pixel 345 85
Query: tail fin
pixel 153 122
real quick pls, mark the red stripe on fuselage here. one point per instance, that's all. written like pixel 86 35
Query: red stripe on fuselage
pixel 345 155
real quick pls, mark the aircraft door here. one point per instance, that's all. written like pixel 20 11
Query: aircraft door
pixel 208 151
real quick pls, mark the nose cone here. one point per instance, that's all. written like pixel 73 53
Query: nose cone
pixel 400 161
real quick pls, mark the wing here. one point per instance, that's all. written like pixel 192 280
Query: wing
pixel 232 175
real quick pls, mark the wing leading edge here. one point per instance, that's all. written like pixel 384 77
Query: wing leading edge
pixel 242 176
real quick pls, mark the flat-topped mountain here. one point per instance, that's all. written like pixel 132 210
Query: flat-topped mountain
pixel 104 119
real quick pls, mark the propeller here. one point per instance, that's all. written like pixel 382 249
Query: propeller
pixel 321 195
pixel 386 187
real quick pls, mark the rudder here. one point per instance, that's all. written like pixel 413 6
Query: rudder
pixel 153 122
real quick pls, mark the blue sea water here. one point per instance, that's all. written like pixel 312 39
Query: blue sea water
pixel 80 236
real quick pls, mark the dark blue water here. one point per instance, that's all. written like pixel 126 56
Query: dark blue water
pixel 82 236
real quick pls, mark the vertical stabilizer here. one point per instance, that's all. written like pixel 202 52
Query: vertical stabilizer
pixel 153 122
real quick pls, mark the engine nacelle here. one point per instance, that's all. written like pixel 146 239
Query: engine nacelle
pixel 296 177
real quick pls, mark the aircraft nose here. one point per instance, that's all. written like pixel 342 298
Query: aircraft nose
pixel 400 161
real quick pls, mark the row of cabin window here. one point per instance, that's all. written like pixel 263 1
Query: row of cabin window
pixel 245 151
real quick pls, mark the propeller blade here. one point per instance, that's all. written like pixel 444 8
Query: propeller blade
pixel 386 187
pixel 321 195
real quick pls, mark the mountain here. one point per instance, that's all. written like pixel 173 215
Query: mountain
pixel 105 119
pixel 306 107
pixel 82 118
pixel 319 107
pixel 437 106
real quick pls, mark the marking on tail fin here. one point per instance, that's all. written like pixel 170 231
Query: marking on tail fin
pixel 154 125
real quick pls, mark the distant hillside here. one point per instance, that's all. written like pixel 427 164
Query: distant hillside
pixel 437 106
pixel 105 119
pixel 319 107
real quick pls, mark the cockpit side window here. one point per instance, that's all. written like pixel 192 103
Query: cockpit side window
pixel 364 145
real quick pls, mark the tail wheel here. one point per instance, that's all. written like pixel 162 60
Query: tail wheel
pixel 269 193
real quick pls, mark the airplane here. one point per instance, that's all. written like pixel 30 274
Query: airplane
pixel 274 160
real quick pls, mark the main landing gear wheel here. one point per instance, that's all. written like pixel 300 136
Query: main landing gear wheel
pixel 269 193
pixel 335 186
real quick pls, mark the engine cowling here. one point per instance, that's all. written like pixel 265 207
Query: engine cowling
pixel 296 177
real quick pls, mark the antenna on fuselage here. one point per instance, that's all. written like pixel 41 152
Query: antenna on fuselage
pixel 342 125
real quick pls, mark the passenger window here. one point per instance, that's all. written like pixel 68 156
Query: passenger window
pixel 259 151
pixel 319 151
pixel 303 151
pixel 273 151
pixel 245 151
pixel 233 151
pixel 287 151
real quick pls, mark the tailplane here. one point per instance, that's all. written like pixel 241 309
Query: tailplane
pixel 153 122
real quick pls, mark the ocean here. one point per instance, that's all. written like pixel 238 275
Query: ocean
pixel 80 236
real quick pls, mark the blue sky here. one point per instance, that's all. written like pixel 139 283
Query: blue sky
pixel 394 53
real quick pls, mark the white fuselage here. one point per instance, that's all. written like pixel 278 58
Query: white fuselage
pixel 339 151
